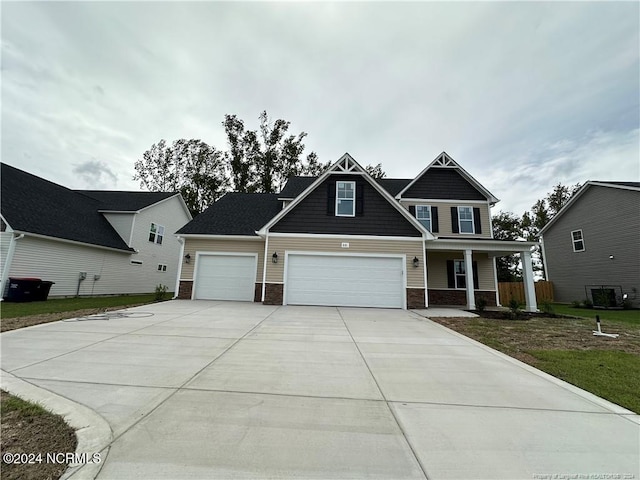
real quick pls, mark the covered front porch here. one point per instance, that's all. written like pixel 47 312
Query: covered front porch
pixel 460 271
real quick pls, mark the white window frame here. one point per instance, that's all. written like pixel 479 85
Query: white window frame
pixel 575 240
pixel 352 199
pixel 473 226
pixel 456 274
pixel 157 231
pixel 425 221
pixel 162 267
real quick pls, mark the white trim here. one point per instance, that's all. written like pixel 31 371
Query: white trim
pixel 495 281
pixel 401 256
pixel 264 268
pixel 232 254
pixel 473 223
pixel 363 173
pixel 487 245
pixel 353 199
pixel 133 227
pixel 75 242
pixel 581 239
pixel 445 161
pixel 544 259
pixel 431 201
pixel 179 273
pixel 346 237
pixel 578 194
pixel 6 268
pixel 424 271
pixel 203 236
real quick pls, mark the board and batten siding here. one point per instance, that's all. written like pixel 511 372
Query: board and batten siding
pixel 610 222
pixel 194 245
pixel 444 217
pixel 437 269
pixel 122 223
pixel 281 245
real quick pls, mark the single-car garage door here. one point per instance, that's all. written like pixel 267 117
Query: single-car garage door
pixel 345 281
pixel 225 277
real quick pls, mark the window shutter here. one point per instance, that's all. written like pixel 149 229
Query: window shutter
pixel 454 220
pixel 434 219
pixel 451 279
pixel 359 199
pixel 412 210
pixel 476 220
pixel 331 198
pixel 475 275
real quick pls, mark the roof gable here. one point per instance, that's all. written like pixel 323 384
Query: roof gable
pixel 443 178
pixel 31 204
pixel 346 165
pixel 633 186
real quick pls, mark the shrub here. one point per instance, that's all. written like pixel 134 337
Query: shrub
pixel 586 303
pixel 160 292
pixel 514 308
pixel 481 304
pixel 626 304
pixel 547 307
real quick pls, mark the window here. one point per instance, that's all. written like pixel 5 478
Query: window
pixel 578 241
pixel 162 268
pixel 423 215
pixel 136 262
pixel 465 219
pixel 345 199
pixel 156 233
pixel 459 274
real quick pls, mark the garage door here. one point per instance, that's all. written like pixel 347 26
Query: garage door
pixel 225 277
pixel 341 280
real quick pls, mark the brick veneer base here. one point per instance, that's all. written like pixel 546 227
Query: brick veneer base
pixel 185 288
pixel 257 295
pixel 415 297
pixel 273 294
pixel 458 297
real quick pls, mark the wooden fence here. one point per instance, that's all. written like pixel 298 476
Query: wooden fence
pixel 509 290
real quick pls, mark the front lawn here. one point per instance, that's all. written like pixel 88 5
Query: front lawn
pixel 626 316
pixel 566 348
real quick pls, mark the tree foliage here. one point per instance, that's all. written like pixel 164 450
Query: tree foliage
pixel 507 226
pixel 256 161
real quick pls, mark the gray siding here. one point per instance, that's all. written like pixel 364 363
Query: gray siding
pixel 378 218
pixel 610 222
pixel 445 184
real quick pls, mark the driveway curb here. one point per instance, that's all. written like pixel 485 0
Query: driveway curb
pixel 92 430
pixel 617 409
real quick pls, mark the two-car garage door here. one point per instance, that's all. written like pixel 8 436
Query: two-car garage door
pixel 344 280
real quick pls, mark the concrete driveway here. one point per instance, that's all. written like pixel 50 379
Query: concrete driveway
pixel 196 389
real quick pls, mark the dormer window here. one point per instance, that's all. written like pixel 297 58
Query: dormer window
pixel 345 199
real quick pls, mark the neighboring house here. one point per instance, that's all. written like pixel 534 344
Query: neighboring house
pixel 346 239
pixel 592 246
pixel 88 242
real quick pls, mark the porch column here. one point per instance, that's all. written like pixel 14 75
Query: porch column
pixel 529 286
pixel 468 277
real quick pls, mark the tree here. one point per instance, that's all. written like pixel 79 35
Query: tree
pixel 507 226
pixel 262 162
pixel 191 167
pixel 375 171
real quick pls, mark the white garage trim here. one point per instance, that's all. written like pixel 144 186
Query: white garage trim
pixel 201 255
pixel 401 257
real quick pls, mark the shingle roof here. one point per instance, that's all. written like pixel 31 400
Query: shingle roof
pixel 623 184
pixel 393 185
pixel 34 205
pixel 296 185
pixel 235 214
pixel 122 201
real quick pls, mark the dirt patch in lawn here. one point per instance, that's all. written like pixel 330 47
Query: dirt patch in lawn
pixel 517 337
pixel 31 431
pixel 8 324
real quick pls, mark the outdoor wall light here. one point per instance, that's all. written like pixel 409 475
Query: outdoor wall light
pixel 416 262
pixel 611 257
pixel 187 258
pixel 274 257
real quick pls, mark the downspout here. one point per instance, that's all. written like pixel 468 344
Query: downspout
pixel 7 264
pixel 426 290
pixel 176 292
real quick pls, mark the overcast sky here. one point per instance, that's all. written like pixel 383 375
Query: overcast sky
pixel 522 95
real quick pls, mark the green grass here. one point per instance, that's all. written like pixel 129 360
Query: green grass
pixel 14 310
pixel 15 404
pixel 631 317
pixel 610 374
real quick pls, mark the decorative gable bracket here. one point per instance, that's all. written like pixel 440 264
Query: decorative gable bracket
pixel 444 160
pixel 346 164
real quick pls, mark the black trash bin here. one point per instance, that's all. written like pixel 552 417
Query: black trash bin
pixel 42 291
pixel 22 289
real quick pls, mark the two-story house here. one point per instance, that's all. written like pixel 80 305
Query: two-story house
pixel 591 248
pixel 347 239
pixel 89 242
